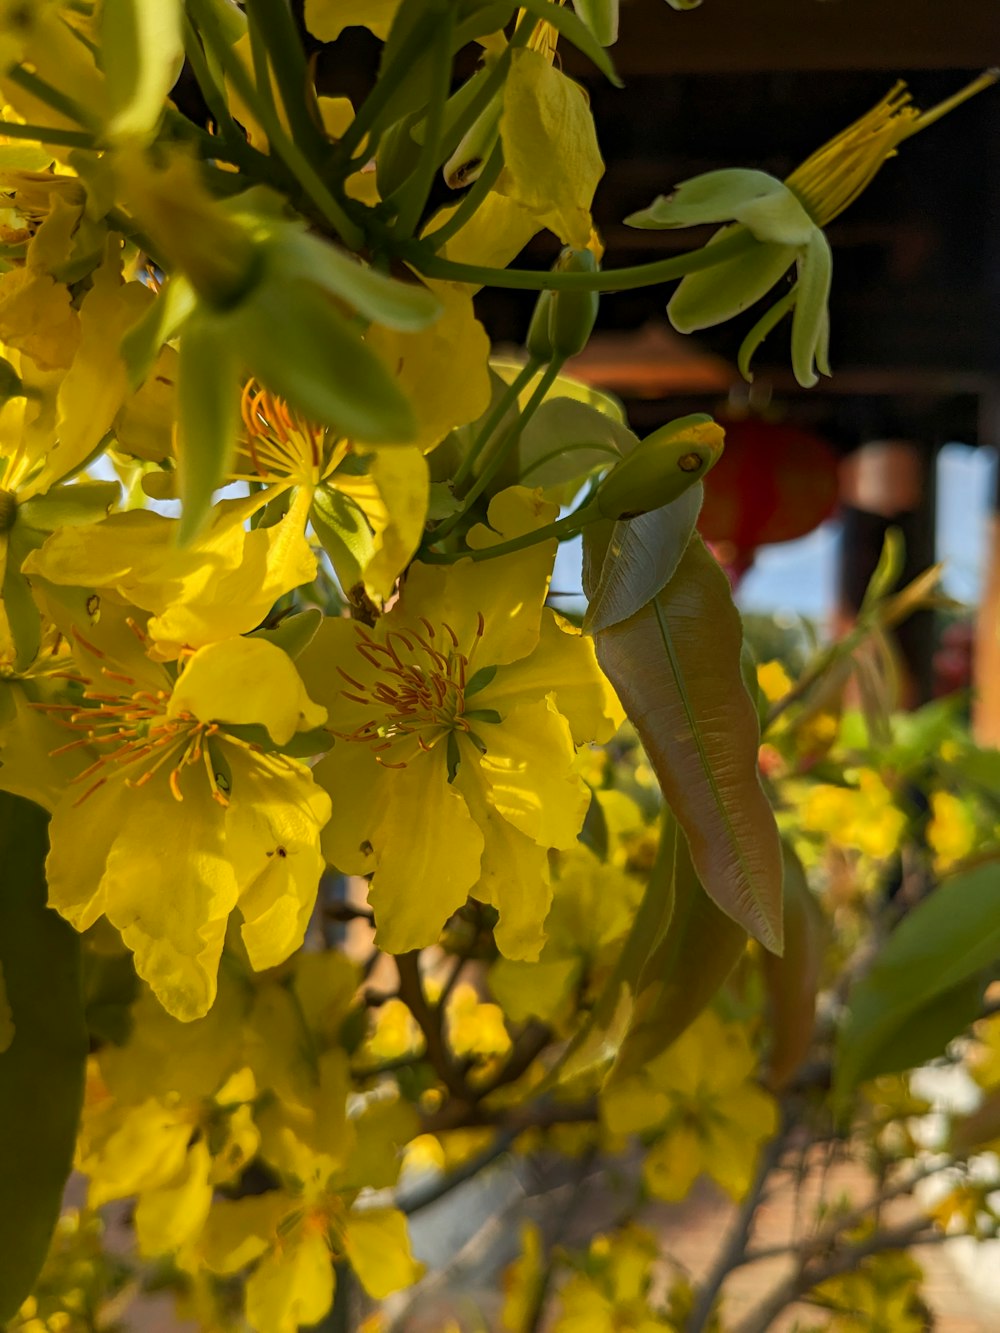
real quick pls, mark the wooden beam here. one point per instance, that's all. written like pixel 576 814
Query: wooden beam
pixel 739 35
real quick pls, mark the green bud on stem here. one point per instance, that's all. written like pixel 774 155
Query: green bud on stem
pixel 661 467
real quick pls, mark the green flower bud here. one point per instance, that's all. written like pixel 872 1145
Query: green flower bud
pixel 572 315
pixel 661 467
pixel 539 341
pixel 467 161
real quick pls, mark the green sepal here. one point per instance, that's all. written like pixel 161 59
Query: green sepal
pixel 165 317
pixel 294 634
pixel 208 415
pixel 294 339
pixel 344 535
pixel 142 50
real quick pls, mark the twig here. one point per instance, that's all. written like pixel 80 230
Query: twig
pixel 428 1019
pixel 807 1276
pixel 733 1251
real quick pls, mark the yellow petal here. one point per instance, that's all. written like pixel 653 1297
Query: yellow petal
pixel 552 162
pixel 273 823
pixel 427 851
pixel 169 888
pixel 529 773
pixel 291 1286
pixel 327 19
pixel 96 383
pixel 168 1217
pixel 564 664
pixel 36 317
pixel 443 369
pixel 495 235
pixel 673 1164
pixel 238 1231
pixel 514 876
pixel 378 1247
pixel 393 496
pixel 245 681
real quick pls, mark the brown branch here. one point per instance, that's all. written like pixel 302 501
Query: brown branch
pixel 846 1260
pixel 429 1021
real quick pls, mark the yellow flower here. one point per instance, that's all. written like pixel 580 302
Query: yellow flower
pixel 862 818
pixel 951 832
pixel 707 1114
pixel 782 223
pixel 368 508
pixel 774 680
pixel 475 1029
pixel 456 718
pixel 174 819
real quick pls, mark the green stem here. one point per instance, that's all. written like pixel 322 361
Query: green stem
pixel 229 133
pixel 416 190
pixel 561 530
pixel 500 454
pixel 385 89
pixel 469 202
pixel 44 134
pixel 510 439
pixel 275 24
pixel 52 97
pixel 605 280
pixel 490 87
pixel 284 147
pixel 503 405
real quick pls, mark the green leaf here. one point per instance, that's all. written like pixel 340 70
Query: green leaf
pixel 695 950
pixel 675 665
pixel 791 982
pixel 925 985
pixel 42 1070
pixel 565 442
pixel 576 32
pixel 208 414
pixel 292 337
pixel 640 558
pixel 344 535
pixel 142 50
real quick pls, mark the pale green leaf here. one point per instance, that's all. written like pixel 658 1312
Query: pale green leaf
pixel 640 557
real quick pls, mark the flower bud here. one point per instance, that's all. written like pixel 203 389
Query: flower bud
pixel 661 467
pixel 467 161
pixel 539 342
pixel 572 315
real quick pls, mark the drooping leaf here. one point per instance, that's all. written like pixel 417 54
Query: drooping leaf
pixel 208 407
pixel 925 985
pixel 41 1070
pixel 792 981
pixel 142 49
pixel 675 665
pixel 639 559
pixel 689 959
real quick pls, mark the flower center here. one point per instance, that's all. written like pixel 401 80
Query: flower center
pixel 8 510
pixel 833 177
pixel 133 732
pixel 415 684
pixel 282 445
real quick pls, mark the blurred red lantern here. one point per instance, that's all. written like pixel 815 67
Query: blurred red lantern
pixel 773 483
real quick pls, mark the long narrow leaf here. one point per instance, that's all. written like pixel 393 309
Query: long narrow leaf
pixel 676 667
